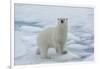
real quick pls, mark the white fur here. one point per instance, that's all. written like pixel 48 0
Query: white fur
pixel 52 37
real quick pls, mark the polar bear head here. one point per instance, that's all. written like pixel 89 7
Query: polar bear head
pixel 62 21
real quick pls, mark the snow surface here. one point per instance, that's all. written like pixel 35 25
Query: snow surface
pixel 31 19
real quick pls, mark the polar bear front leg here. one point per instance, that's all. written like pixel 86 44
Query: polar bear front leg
pixel 58 49
pixel 62 48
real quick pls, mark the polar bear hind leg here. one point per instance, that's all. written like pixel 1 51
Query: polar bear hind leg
pixel 44 51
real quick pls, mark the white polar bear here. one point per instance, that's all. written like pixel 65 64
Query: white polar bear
pixel 53 37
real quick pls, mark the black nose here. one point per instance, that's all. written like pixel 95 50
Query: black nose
pixel 62 21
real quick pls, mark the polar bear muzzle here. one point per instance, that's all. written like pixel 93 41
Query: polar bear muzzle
pixel 62 21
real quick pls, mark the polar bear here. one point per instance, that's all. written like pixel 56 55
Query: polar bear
pixel 54 37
